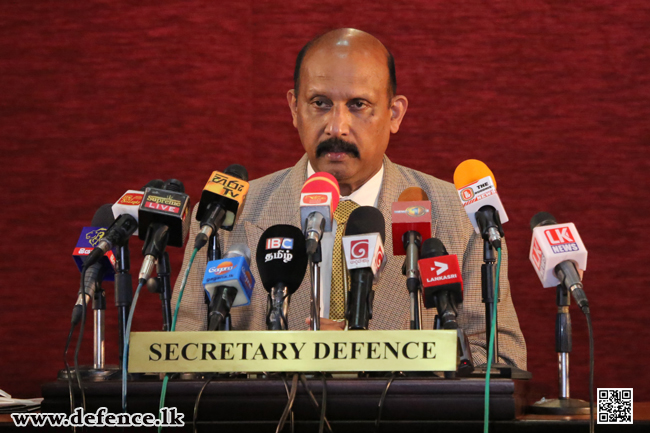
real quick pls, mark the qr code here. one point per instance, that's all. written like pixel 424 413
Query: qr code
pixel 614 405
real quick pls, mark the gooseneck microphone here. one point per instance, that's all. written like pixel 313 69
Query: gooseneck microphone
pixel 557 252
pixel 363 247
pixel 442 282
pixel 477 189
pixel 221 199
pixel 118 233
pixel 282 262
pixel 228 283
pixel 95 272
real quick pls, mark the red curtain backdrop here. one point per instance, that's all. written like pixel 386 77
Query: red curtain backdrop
pixel 100 97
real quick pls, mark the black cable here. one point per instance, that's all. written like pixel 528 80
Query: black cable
pixel 198 399
pixel 303 380
pixel 67 368
pixel 289 406
pixel 80 336
pixel 323 407
pixel 286 388
pixel 591 370
pixel 382 400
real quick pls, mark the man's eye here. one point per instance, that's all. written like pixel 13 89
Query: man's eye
pixel 358 104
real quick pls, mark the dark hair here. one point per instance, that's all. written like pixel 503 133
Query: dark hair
pixel 392 78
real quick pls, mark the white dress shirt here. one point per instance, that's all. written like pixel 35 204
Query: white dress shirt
pixel 367 195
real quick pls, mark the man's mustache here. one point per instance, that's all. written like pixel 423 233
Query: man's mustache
pixel 336 145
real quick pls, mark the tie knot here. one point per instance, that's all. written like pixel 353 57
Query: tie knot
pixel 343 211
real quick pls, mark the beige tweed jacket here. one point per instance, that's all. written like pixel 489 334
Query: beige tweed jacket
pixel 274 199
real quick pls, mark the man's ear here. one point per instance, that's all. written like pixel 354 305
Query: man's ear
pixel 397 111
pixel 293 106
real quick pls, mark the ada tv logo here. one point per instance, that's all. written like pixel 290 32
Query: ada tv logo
pixel 561 240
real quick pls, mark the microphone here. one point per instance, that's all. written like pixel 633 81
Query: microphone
pixel 557 254
pixel 162 221
pixel 228 283
pixel 411 217
pixel 282 262
pixel 103 270
pixel 222 197
pixel 318 200
pixel 441 281
pixel 130 201
pixel 477 190
pixel 363 247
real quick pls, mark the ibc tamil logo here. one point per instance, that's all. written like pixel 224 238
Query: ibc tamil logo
pixel 359 249
pixel 314 199
pixel 415 211
pixel 222 268
pixel 279 244
pixel 561 240
pixel 467 193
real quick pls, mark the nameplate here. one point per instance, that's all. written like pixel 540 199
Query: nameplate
pixel 285 351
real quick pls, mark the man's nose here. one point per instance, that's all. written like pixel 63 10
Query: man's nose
pixel 339 122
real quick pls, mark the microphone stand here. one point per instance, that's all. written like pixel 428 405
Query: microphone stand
pixel 99 307
pixel 163 269
pixel 123 292
pixel 314 266
pixel 214 253
pixel 412 241
pixel 564 405
pixel 278 304
pixel 488 273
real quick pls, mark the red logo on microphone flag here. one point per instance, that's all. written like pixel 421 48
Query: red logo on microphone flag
pixel 467 194
pixel 315 199
pixel 380 257
pixel 359 249
pixel 536 254
pixel 561 240
pixel 439 270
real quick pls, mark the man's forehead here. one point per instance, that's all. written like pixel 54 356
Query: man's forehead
pixel 356 71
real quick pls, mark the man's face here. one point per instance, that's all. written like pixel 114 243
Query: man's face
pixel 343 112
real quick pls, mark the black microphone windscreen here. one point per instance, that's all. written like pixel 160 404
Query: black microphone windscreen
pixel 366 219
pixel 542 219
pixel 155 183
pixel 239 171
pixel 104 216
pixel 282 257
pixel 433 247
pixel 174 185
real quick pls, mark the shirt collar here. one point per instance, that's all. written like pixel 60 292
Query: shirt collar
pixel 367 194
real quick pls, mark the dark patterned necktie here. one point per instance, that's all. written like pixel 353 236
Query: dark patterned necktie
pixel 337 291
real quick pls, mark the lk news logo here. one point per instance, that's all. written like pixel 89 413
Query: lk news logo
pixel 537 254
pixel 561 240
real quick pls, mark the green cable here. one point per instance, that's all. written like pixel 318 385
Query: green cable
pixel 163 392
pixel 486 416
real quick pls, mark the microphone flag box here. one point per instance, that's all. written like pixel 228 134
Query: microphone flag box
pixel 478 194
pixel 129 204
pixel 232 272
pixel 365 251
pixel 440 273
pixel 316 202
pixel 230 191
pixel 553 244
pixel 88 240
pixel 165 207
pixel 407 216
